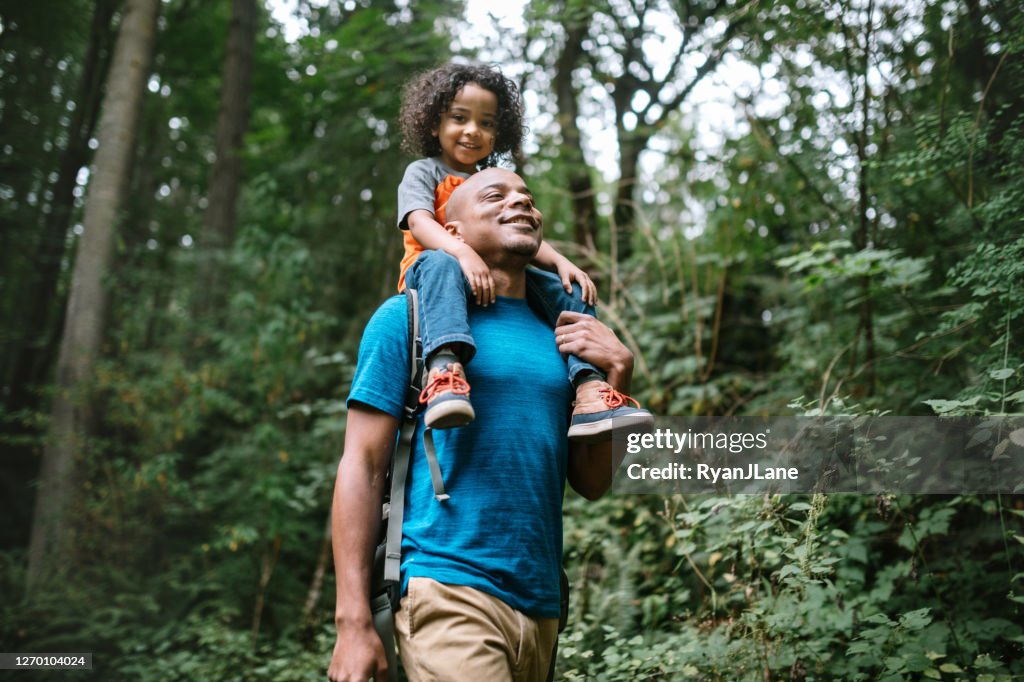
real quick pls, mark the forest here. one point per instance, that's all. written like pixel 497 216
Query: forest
pixel 790 207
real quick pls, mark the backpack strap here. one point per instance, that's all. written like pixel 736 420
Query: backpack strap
pixel 412 391
pixel 403 453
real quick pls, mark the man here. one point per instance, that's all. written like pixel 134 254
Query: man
pixel 480 570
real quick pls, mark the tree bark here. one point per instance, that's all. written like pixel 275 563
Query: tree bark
pixel 32 359
pixel 225 177
pixel 630 148
pixel 581 189
pixel 87 301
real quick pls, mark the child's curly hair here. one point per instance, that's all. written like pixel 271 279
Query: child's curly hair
pixel 428 95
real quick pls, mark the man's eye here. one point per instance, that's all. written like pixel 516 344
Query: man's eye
pixel 492 196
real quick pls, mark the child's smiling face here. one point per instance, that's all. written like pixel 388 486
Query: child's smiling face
pixel 466 131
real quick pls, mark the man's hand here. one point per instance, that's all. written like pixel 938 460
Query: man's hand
pixel 358 656
pixel 591 340
pixel 478 274
pixel 569 273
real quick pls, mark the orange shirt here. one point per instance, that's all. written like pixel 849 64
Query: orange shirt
pixel 413 248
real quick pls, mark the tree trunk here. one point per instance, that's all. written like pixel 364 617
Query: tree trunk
pixel 863 237
pixel 32 359
pixel 580 187
pixel 625 209
pixel 87 301
pixel 225 177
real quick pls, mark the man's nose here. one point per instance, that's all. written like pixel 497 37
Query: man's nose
pixel 520 199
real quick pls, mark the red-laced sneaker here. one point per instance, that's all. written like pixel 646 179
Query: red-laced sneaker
pixel 446 396
pixel 599 407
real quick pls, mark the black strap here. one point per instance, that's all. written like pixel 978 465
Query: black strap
pixel 403 453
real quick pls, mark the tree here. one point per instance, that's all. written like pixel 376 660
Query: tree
pixel 581 188
pixel 614 40
pixel 225 177
pixel 84 320
pixel 31 356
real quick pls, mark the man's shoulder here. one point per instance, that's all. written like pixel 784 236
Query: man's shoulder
pixel 382 370
pixel 392 313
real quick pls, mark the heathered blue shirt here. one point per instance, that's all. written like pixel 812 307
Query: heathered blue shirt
pixel 501 530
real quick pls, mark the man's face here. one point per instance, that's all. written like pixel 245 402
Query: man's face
pixel 496 215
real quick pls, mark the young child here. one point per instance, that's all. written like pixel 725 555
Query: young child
pixel 463 118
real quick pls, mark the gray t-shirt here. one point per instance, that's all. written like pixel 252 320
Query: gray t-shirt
pixel 417 188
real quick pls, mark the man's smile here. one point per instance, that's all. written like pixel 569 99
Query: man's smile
pixel 523 219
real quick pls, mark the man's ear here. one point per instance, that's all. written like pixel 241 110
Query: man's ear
pixel 454 228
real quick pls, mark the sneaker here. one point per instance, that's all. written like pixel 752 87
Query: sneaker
pixel 446 396
pixel 599 407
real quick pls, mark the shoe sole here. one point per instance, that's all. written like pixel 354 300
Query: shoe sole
pixel 449 415
pixel 597 432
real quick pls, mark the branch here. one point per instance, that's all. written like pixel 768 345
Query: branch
pixel 740 18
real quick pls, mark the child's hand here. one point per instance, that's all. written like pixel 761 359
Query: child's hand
pixel 479 276
pixel 569 273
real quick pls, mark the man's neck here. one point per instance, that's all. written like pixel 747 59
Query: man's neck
pixel 510 283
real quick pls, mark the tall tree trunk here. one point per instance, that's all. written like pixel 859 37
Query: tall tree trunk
pixel 32 359
pixel 863 237
pixel 630 147
pixel 225 177
pixel 580 187
pixel 87 301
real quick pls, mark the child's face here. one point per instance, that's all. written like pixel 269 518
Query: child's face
pixel 466 131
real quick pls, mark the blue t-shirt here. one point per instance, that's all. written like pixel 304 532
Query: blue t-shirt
pixel 501 530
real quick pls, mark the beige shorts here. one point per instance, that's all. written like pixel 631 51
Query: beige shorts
pixel 452 632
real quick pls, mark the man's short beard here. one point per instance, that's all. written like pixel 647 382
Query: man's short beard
pixel 523 248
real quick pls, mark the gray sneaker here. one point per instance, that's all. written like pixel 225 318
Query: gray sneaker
pixel 599 408
pixel 446 396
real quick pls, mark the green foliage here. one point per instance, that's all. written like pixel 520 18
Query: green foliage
pixel 822 258
pixel 737 588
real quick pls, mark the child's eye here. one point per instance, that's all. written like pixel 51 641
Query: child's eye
pixel 488 124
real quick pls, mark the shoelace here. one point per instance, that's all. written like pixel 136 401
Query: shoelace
pixel 613 398
pixel 445 380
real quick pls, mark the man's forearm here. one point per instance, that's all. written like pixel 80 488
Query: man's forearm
pixel 355 526
pixel 590 466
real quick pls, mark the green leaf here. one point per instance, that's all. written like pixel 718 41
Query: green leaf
pixel 1001 374
pixel 787 570
pixel 915 620
pixel 943 406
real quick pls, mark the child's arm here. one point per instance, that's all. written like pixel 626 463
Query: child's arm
pixel 431 235
pixel 549 259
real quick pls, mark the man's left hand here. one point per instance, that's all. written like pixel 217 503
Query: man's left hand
pixel 591 340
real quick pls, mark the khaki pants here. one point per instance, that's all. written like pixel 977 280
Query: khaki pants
pixel 452 632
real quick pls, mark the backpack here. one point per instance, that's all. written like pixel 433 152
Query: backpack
pixel 385 586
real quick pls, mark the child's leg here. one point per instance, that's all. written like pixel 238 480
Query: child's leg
pixel 447 339
pixel 598 405
pixel 548 298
